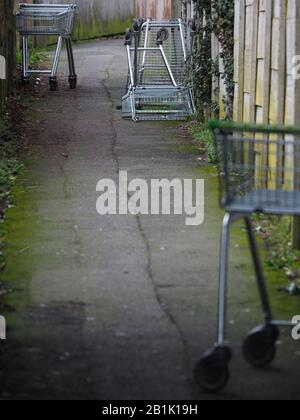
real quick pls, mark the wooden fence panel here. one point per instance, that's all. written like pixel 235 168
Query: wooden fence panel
pixel 156 9
pixel 267 36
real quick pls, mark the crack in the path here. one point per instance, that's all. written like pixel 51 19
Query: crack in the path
pixel 149 267
pixel 158 296
pixel 62 167
pixel 78 247
pixel 113 129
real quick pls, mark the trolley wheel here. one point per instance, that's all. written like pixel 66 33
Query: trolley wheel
pixel 139 106
pixel 137 24
pixel 73 82
pixel 212 372
pixel 25 81
pixel 53 84
pixel 193 25
pixel 259 348
pixel 162 36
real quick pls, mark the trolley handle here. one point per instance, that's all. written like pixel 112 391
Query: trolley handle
pixel 193 25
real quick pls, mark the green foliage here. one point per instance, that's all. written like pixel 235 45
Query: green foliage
pixel 213 16
pixel 276 231
pixel 9 164
pixel 201 71
pixel 223 27
pixel 203 136
pixel 9 168
pixel 36 56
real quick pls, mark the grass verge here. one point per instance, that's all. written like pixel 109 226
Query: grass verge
pixel 11 140
pixel 280 255
pixel 37 56
pixel 204 141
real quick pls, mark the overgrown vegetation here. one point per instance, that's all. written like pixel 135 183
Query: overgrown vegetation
pixel 213 17
pixel 11 128
pixel 204 139
pixel 276 232
pixel 36 56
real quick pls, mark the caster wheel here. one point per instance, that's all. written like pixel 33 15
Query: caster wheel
pixel 212 372
pixel 25 81
pixel 259 348
pixel 73 82
pixel 53 84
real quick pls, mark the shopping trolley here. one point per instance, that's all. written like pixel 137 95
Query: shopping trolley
pixel 159 54
pixel 259 172
pixel 47 19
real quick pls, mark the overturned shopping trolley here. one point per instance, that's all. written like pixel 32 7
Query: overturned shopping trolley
pixel 48 20
pixel 259 172
pixel 159 54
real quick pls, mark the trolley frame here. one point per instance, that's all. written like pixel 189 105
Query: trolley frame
pixel 45 20
pixel 258 172
pixel 158 54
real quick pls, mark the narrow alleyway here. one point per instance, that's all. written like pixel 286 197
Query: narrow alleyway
pixel 117 307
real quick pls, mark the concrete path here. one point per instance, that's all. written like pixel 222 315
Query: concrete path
pixel 117 307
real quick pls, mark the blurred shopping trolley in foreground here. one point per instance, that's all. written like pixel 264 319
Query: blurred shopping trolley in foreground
pixel 259 172
pixel 47 20
pixel 159 54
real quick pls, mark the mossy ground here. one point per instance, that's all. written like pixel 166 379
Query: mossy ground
pixel 11 142
pixel 203 140
pixel 18 227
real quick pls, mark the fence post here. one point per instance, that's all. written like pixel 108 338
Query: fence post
pixel 296 232
pixel 7 48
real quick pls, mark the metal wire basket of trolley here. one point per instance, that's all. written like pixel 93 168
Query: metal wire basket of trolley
pixel 47 19
pixel 159 54
pixel 259 172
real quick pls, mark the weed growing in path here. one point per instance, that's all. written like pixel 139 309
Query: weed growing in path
pixel 203 138
pixel 276 232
